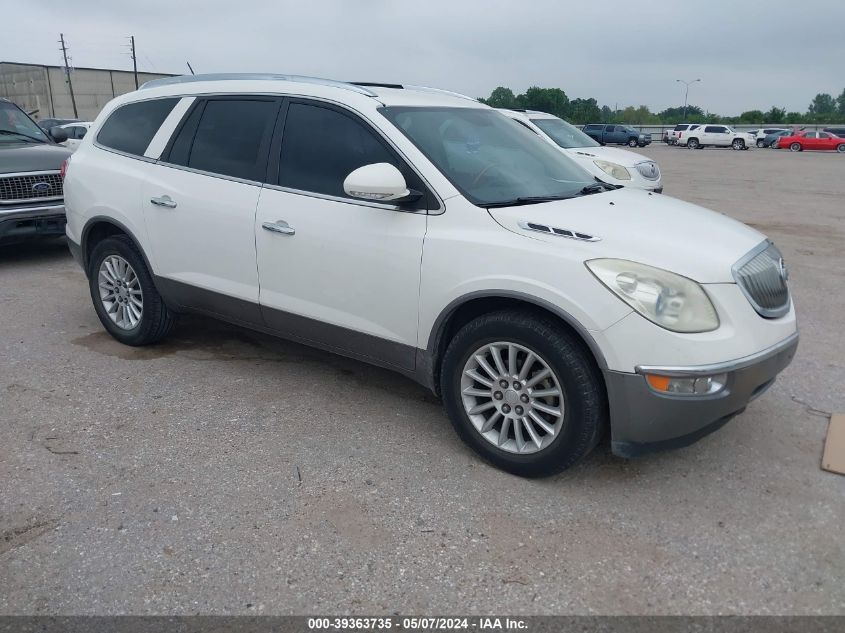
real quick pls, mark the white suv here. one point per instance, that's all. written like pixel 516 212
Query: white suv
pixel 705 135
pixel 609 164
pixel 427 233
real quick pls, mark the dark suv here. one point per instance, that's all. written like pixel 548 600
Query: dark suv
pixel 31 196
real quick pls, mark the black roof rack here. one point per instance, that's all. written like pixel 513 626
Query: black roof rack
pixel 376 84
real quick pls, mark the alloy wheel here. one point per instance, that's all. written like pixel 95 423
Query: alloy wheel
pixel 120 292
pixel 513 397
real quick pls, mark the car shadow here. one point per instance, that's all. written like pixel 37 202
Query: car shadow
pixel 34 252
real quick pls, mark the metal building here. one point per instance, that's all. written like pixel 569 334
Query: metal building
pixel 43 91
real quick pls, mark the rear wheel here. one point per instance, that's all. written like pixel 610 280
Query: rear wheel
pixel 761 143
pixel 523 393
pixel 795 147
pixel 692 143
pixel 124 295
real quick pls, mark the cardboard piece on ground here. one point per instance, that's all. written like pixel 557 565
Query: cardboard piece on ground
pixel 834 448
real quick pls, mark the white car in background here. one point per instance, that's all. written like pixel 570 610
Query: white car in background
pixel 706 135
pixel 609 164
pixel 76 131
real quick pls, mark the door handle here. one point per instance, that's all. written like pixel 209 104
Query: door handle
pixel 279 226
pixel 164 201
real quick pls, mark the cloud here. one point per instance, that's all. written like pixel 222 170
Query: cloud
pixel 746 55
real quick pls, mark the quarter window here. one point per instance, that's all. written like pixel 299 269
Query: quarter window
pixel 130 128
pixel 321 146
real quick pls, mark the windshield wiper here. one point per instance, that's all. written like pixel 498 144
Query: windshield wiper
pixel 523 200
pixel 21 134
pixel 598 187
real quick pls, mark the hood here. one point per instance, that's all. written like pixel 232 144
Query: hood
pixel 19 157
pixel 614 155
pixel 650 229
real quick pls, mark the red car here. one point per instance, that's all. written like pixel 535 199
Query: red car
pixel 799 141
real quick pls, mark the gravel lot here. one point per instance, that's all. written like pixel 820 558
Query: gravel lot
pixel 227 472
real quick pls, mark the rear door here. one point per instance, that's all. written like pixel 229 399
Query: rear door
pixel 335 271
pixel 199 203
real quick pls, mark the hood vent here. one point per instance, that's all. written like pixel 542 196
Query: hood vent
pixel 551 230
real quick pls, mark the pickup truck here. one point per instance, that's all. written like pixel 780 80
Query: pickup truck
pixel 615 134
pixel 704 135
pixel 31 197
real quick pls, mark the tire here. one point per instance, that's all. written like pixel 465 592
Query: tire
pixel 632 142
pixel 738 144
pixel 841 148
pixel 581 405
pixel 693 143
pixel 795 147
pixel 761 143
pixel 129 323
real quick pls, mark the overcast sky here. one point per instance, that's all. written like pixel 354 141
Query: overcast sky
pixel 748 53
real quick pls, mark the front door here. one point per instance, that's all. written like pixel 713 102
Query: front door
pixel 337 272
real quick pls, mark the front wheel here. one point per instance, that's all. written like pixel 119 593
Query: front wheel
pixel 124 295
pixel 738 143
pixel 523 393
pixel 632 142
pixel 795 147
pixel 761 143
pixel 841 148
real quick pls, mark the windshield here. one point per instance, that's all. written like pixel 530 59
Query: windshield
pixel 565 135
pixel 15 126
pixel 488 157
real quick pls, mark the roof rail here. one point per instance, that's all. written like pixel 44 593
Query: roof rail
pixel 170 81
pixel 376 84
pixel 440 91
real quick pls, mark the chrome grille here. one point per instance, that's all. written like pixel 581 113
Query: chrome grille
pixel 762 276
pixel 649 169
pixel 30 187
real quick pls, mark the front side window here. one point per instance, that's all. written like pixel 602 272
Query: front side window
pixel 564 134
pixel 321 147
pixel 16 127
pixel 489 158
pixel 229 137
pixel 130 128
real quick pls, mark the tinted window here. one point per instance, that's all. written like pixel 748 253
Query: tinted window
pixel 592 127
pixel 681 128
pixel 230 135
pixel 130 128
pixel 610 128
pixel 320 147
pixel 824 135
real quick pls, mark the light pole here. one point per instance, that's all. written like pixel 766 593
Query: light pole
pixel 686 94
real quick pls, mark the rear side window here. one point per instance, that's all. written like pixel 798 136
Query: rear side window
pixel 321 146
pixel 610 128
pixel 592 127
pixel 226 136
pixel 130 128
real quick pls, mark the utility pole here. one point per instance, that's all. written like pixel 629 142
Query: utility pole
pixel 67 76
pixel 686 94
pixel 134 60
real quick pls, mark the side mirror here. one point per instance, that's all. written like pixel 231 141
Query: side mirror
pixel 380 182
pixel 58 134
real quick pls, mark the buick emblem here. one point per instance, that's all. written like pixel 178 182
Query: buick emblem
pixel 41 187
pixel 783 270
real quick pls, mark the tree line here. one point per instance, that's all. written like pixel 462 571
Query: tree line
pixel 824 108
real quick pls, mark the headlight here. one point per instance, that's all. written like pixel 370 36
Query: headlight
pixel 669 300
pixel 613 169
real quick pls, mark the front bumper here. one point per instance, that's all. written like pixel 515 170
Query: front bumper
pixel 645 421
pixel 26 223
